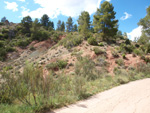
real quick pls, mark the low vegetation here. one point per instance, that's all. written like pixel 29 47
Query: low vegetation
pixel 28 89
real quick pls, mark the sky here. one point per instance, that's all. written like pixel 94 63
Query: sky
pixel 128 12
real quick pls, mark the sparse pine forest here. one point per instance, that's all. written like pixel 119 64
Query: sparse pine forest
pixel 43 68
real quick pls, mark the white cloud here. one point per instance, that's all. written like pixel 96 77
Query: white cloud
pixel 11 6
pixel 108 0
pixel 126 16
pixel 135 33
pixel 65 7
pixel 22 0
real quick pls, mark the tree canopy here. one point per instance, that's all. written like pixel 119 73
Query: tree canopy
pixel 104 21
pixel 69 24
pixel 84 22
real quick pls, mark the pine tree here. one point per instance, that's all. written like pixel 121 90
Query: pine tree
pixel 63 26
pixel 104 21
pixel 145 23
pixel 26 22
pixel 84 22
pixel 69 24
pixel 75 28
pixel 59 25
pixel 45 20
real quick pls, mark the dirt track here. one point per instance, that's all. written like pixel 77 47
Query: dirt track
pixel 133 97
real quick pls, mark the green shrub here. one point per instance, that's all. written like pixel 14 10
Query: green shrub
pixel 5 31
pixel 87 71
pixel 92 41
pixel 126 48
pixel 60 64
pixel 71 41
pixel 1 36
pixel 115 54
pixel 100 61
pixel 40 35
pixel 23 42
pixel 144 68
pixel 32 48
pixel 101 44
pixel 55 37
pixel 123 56
pixel 127 42
pixel 10 49
pixel 3 54
pixel 137 52
pixel 1 44
pixel 98 51
pixel 119 61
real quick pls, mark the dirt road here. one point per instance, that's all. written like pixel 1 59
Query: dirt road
pixel 133 97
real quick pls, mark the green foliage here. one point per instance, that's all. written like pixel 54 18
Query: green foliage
pixel 104 21
pixel 59 64
pixel 144 68
pixel 123 56
pixel 87 71
pixel 71 41
pixel 115 53
pixel 45 20
pixel 55 37
pixel 26 23
pixel 126 48
pixel 127 42
pixel 32 48
pixel 1 36
pixel 62 26
pixel 59 25
pixel 75 28
pixel 137 52
pixel 119 61
pixel 98 51
pixel 1 44
pixel 3 54
pixel 69 24
pixel 84 22
pixel 23 42
pixel 40 35
pixel 10 49
pixel 101 44
pixel 92 41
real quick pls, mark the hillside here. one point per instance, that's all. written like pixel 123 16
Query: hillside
pixel 43 68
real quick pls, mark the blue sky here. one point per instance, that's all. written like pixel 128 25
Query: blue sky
pixel 128 12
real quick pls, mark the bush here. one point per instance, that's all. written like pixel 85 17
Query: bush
pixel 60 64
pixel 1 44
pixel 127 42
pixel 120 62
pixel 10 49
pixel 101 44
pixel 115 54
pixel 23 42
pixel 32 48
pixel 1 36
pixel 40 35
pixel 144 68
pixel 3 54
pixel 98 51
pixel 71 41
pixel 92 41
pixel 87 71
pixel 100 61
pixel 123 56
pixel 55 37
pixel 126 48
pixel 137 52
